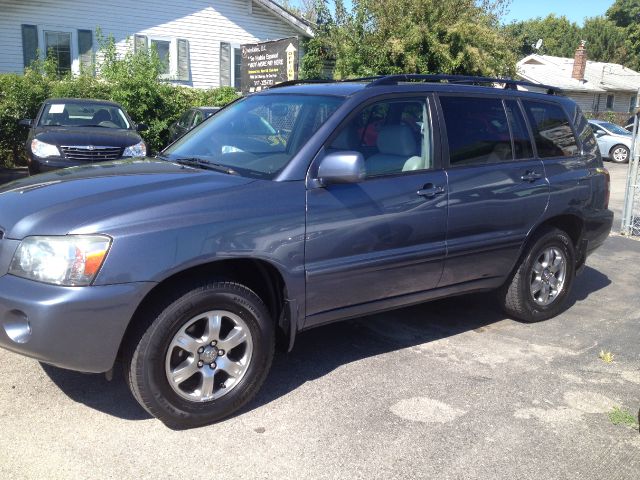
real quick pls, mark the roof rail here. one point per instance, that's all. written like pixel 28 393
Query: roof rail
pixel 379 80
pixel 288 83
pixel 509 83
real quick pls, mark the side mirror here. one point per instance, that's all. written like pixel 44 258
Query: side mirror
pixel 25 122
pixel 141 127
pixel 341 167
pixel 599 133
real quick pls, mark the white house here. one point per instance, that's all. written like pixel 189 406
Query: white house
pixel 595 86
pixel 198 40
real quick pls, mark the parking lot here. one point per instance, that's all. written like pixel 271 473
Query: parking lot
pixel 451 389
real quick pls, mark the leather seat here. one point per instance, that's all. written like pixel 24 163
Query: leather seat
pixel 398 152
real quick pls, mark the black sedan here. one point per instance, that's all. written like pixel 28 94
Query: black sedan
pixel 189 119
pixel 70 132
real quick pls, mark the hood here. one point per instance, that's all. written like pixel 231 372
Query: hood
pixel 107 195
pixel 81 136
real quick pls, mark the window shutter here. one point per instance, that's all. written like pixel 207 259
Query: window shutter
pixel 29 44
pixel 225 64
pixel 139 43
pixel 183 59
pixel 85 49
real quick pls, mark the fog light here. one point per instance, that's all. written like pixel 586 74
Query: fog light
pixel 16 325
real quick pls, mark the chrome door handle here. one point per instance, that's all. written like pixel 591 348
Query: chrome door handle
pixel 531 176
pixel 430 190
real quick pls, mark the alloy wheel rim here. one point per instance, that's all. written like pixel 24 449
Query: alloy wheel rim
pixel 620 154
pixel 209 356
pixel 548 276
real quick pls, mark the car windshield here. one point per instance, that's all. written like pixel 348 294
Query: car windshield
pixel 613 128
pixel 258 135
pixel 61 114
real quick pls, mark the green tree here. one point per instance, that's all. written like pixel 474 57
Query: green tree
pixel 606 42
pixel 375 37
pixel 626 15
pixel 559 36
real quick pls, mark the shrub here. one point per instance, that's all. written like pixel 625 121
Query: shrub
pixel 132 79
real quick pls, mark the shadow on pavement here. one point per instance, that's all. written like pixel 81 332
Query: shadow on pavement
pixel 321 350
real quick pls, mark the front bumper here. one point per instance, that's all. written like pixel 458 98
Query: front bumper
pixel 79 328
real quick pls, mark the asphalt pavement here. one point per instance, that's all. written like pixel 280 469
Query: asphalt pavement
pixel 450 390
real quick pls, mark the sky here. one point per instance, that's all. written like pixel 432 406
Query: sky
pixel 575 10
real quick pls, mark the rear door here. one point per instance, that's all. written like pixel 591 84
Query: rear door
pixel 384 238
pixel 497 187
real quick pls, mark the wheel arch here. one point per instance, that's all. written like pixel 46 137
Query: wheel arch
pixel 261 276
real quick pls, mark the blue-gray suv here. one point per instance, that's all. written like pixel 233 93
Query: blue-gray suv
pixel 292 208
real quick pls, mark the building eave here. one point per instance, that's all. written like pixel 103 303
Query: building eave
pixel 301 25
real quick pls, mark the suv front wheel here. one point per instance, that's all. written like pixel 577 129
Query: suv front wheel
pixel 203 357
pixel 539 287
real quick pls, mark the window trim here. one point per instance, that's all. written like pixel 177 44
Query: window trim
pixel 173 54
pixel 611 96
pixel 75 55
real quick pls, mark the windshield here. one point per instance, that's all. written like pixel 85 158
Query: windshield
pixel 613 128
pixel 256 136
pixel 83 115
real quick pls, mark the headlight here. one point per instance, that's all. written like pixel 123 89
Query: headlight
pixel 137 150
pixel 72 260
pixel 44 150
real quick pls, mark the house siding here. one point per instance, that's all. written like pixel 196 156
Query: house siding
pixel 589 101
pixel 204 23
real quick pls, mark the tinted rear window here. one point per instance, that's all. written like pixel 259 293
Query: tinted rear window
pixel 477 130
pixel 551 130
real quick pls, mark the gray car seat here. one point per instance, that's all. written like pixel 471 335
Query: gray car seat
pixel 397 151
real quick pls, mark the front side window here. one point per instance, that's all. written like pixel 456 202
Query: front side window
pixel 58 47
pixel 394 136
pixel 258 135
pixel 83 115
pixel 477 130
pixel 551 130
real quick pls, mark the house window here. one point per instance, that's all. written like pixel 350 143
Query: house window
pixel 163 47
pixel 237 62
pixel 632 103
pixel 173 54
pixel 58 46
pixel 610 101
pixel 230 65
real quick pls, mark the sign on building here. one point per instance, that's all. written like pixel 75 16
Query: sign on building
pixel 267 63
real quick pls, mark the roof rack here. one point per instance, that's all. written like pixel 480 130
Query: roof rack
pixel 288 83
pixel 380 80
pixel 509 83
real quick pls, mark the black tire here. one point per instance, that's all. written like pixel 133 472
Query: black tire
pixel 145 355
pixel 516 297
pixel 624 158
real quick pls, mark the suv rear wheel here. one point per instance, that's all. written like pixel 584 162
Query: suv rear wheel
pixel 203 357
pixel 539 287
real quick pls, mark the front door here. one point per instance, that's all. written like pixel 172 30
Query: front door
pixel 383 238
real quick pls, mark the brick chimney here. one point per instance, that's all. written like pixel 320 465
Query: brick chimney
pixel 580 62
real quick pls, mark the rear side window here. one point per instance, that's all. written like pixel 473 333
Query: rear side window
pixel 551 130
pixel 477 130
pixel 521 141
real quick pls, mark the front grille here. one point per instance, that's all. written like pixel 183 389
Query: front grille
pixel 92 154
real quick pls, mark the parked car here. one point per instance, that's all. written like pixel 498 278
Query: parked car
pixel 190 119
pixel 72 131
pixel 188 266
pixel 613 140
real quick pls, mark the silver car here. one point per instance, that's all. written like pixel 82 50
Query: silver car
pixel 613 140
